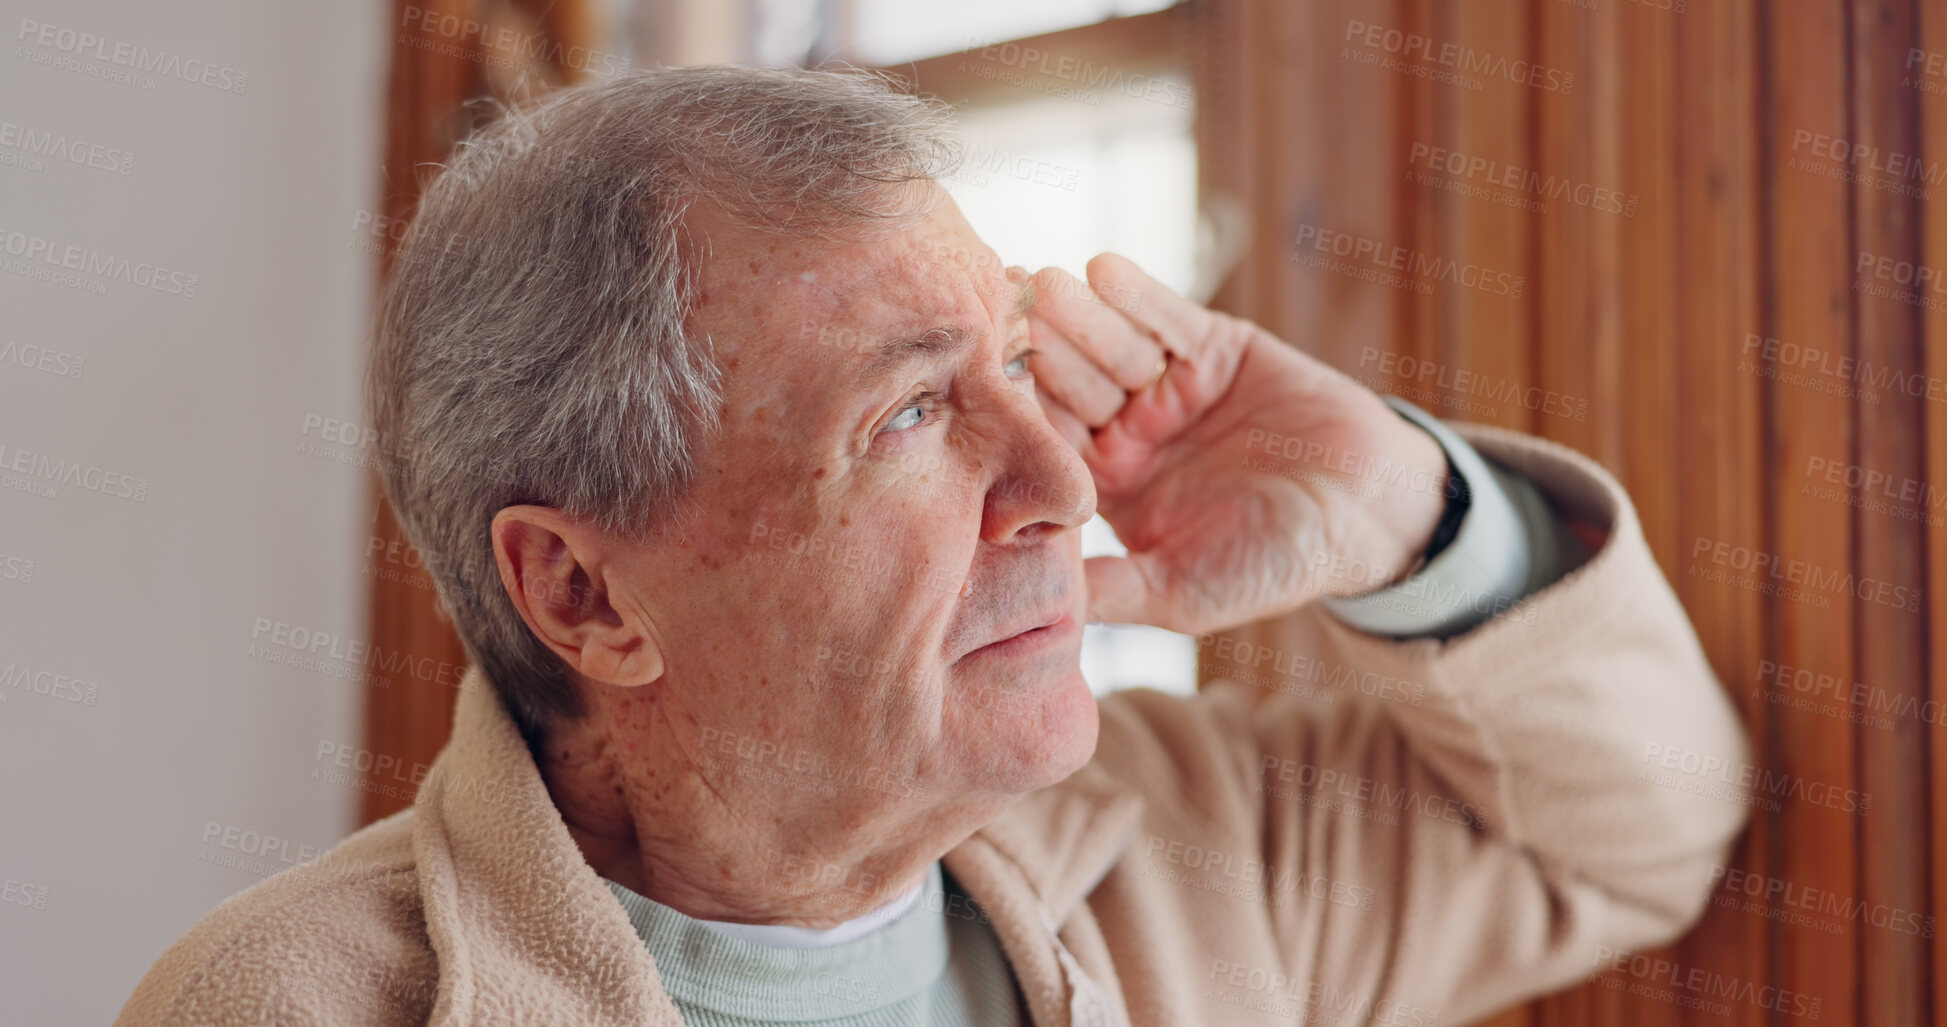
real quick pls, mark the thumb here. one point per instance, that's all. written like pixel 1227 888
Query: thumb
pixel 1121 590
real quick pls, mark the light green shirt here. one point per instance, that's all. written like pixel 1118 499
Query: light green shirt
pixel 937 963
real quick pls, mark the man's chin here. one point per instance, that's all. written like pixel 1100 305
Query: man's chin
pixel 1046 736
pixel 1074 720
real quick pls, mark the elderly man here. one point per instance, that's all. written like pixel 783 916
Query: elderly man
pixel 753 482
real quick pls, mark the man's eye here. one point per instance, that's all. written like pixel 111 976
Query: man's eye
pixel 912 414
pixel 907 418
pixel 1019 365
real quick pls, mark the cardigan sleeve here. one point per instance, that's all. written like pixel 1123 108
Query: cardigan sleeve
pixel 1514 810
pixel 1510 544
pixel 1573 776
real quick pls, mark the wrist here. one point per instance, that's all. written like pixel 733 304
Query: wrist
pixel 1425 504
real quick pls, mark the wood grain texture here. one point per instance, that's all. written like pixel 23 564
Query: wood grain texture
pixel 1727 352
pixel 408 714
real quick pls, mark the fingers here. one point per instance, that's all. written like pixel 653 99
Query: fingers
pixel 1119 591
pixel 1065 422
pixel 1072 379
pixel 1122 350
pixel 1179 325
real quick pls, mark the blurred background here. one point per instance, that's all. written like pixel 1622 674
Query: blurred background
pixel 1691 238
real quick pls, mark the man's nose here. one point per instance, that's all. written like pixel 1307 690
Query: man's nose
pixel 1044 486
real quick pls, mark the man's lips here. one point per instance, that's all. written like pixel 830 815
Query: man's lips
pixel 1042 629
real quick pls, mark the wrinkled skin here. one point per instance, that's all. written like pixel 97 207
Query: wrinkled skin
pixel 866 643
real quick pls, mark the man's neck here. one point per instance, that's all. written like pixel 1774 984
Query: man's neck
pixel 757 855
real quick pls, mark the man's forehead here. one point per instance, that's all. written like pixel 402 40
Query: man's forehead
pixel 849 295
pixel 921 272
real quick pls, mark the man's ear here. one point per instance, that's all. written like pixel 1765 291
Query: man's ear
pixel 555 570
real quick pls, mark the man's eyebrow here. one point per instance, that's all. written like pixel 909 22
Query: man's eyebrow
pixel 934 346
pixel 1025 303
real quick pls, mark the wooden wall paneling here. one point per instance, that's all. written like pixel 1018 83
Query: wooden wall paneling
pixel 1426 116
pixel 1292 135
pixel 549 42
pixel 1611 355
pixel 1642 427
pixel 1492 334
pixel 1218 35
pixel 1891 653
pixel 1717 446
pixel 406 717
pixel 1300 142
pixel 1807 254
pixel 1932 217
pixel 1580 277
pixel 1347 159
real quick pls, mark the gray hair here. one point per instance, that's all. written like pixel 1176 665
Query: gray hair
pixel 532 343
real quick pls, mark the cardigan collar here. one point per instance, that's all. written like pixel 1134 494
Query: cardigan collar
pixel 524 928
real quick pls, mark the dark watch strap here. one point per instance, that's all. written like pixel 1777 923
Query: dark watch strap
pixel 1459 499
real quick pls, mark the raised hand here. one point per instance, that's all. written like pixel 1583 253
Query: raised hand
pixel 1244 476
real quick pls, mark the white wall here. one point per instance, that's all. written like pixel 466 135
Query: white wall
pixel 106 798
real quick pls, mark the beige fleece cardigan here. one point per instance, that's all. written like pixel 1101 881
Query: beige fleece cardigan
pixel 1501 818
